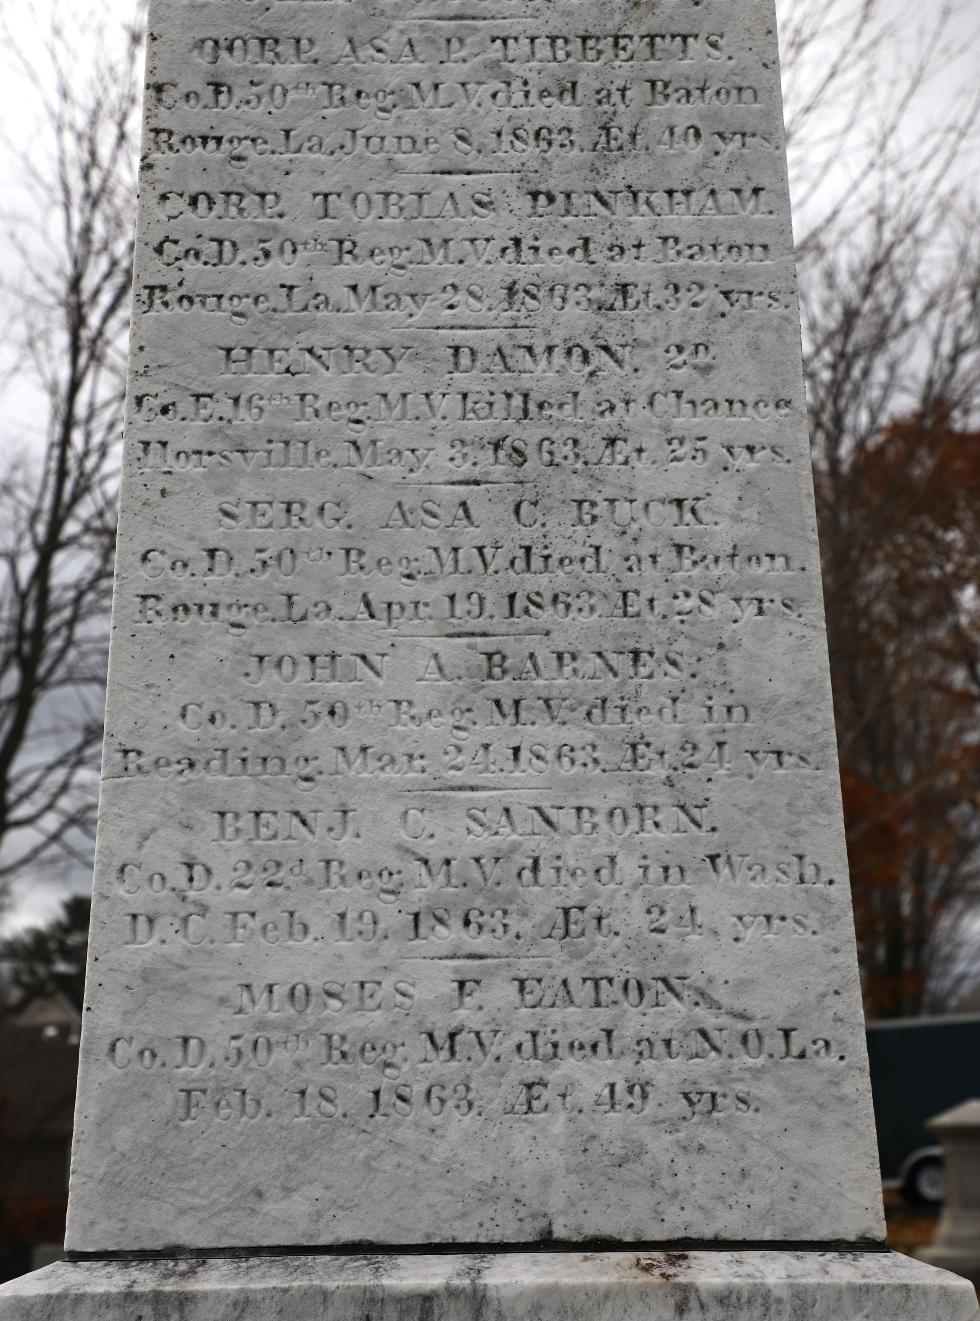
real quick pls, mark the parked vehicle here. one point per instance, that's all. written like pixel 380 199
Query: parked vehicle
pixel 919 1068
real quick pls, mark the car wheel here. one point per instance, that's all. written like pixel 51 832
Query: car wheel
pixel 926 1182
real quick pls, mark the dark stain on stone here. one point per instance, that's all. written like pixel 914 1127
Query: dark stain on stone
pixel 665 1266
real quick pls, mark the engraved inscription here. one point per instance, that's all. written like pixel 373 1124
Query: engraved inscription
pixel 470 844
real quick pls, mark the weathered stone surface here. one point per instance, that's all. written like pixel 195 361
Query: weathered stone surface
pixel 712 1286
pixel 471 864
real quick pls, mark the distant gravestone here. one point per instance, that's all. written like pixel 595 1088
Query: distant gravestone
pixel 471 868
pixel 957 1243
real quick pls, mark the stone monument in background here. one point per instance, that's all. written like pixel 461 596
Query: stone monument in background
pixel 472 926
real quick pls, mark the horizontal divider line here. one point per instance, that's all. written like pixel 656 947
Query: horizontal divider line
pixel 376 1250
pixel 464 174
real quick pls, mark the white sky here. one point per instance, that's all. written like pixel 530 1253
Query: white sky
pixel 37 899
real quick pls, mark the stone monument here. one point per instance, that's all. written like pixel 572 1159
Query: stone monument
pixel 957 1243
pixel 472 926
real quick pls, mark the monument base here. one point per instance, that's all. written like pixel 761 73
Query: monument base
pixel 522 1286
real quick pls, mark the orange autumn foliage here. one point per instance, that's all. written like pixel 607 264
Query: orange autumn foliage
pixel 901 540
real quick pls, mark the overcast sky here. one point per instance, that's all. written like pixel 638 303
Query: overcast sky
pixel 20 109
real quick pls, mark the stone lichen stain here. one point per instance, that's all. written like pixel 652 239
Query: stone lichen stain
pixel 665 1266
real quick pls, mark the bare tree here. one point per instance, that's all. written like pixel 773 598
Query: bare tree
pixel 882 109
pixel 66 307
